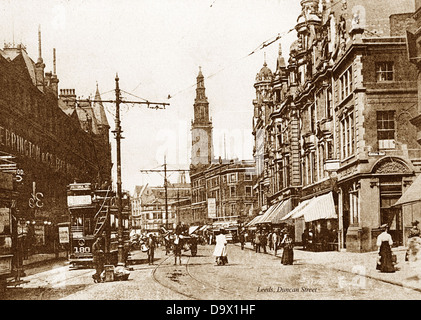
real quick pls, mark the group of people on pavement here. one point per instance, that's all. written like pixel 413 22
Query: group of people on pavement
pixel 273 241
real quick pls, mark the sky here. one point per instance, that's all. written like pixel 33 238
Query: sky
pixel 156 47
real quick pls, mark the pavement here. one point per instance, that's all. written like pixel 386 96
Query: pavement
pixel 363 265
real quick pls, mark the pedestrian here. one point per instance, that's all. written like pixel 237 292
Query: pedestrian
pixel 242 239
pixel 275 241
pixel 151 248
pixel 98 258
pixel 167 242
pixel 310 240
pixel 269 240
pixel 288 246
pixel 220 251
pixel 257 241
pixel 263 241
pixel 384 242
pixel 304 238
pixel 414 232
pixel 178 245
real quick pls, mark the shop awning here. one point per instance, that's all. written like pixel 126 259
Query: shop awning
pixel 317 208
pixel 413 194
pixel 296 213
pixel 280 211
pixel 268 212
pixel 204 227
pixel 255 220
pixel 193 229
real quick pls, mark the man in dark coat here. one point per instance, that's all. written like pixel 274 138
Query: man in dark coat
pixel 151 248
pixel 98 258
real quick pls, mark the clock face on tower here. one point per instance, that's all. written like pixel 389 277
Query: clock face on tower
pixel 200 146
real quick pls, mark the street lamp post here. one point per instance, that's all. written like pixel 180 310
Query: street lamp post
pixel 117 132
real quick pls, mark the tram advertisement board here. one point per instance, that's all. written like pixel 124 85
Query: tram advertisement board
pixel 63 234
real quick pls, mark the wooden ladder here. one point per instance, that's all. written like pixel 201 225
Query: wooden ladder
pixel 101 219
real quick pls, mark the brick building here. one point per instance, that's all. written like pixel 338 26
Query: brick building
pixel 338 145
pixel 51 146
pixel 149 205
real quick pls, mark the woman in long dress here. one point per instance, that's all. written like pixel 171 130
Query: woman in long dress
pixel 220 251
pixel 288 252
pixel 384 242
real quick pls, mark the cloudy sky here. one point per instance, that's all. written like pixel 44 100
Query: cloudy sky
pixel 156 47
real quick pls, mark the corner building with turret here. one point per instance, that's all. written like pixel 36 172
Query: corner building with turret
pixel 333 138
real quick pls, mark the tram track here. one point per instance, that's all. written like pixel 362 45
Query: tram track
pixel 203 285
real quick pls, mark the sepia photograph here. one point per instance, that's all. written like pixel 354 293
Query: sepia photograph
pixel 225 151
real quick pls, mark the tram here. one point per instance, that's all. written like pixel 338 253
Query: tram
pixel 93 213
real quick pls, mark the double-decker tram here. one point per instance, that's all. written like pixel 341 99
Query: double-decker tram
pixel 92 213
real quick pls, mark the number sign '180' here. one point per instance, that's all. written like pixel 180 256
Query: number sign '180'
pixel 82 249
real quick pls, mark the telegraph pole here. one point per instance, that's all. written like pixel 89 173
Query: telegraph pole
pixel 165 183
pixel 118 137
pixel 119 195
pixel 166 191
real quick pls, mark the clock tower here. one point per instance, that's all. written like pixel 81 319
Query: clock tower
pixel 202 151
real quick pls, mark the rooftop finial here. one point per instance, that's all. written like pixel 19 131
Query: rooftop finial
pixel 39 45
pixel 54 61
pixel 264 63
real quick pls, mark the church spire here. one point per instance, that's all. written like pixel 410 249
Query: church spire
pixel 201 105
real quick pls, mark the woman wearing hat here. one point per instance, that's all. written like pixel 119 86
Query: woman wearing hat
pixel 288 253
pixel 384 242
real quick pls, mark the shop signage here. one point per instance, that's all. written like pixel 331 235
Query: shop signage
pixel 77 201
pixel 39 234
pixel 211 208
pixel 377 153
pixel 63 234
pixel 5 265
pixel 6 181
pixel 31 150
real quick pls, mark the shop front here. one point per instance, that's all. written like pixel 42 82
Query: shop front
pixel 7 237
pixel 315 221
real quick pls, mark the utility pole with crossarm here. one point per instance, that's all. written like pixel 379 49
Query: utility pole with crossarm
pixel 117 132
pixel 165 170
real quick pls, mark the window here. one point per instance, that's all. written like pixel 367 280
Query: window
pixel 386 129
pixel 347 134
pixel 384 71
pixel 346 83
pixel 232 191
pixel 233 177
pixel 329 110
pixel 247 177
pixel 249 191
pixel 354 204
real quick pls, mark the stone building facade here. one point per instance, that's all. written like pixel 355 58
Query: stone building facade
pixel 222 190
pixel 335 119
pixel 50 146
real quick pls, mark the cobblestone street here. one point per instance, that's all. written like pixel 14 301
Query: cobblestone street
pixel 248 276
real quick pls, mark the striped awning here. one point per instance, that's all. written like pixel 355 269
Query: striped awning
pixel 268 212
pixel 255 220
pixel 281 210
pixel 317 208
pixel 296 213
pixel 412 194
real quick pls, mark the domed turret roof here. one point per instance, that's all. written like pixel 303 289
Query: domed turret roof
pixel 265 73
